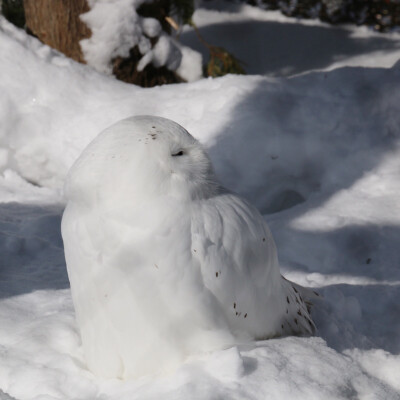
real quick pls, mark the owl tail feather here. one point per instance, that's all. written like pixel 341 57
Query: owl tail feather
pixel 309 295
pixel 299 300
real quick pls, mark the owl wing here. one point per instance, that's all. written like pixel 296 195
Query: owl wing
pixel 238 259
pixel 230 233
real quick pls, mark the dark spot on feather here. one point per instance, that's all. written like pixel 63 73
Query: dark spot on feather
pixel 287 299
pixel 156 266
pixel 263 239
pixel 368 260
pixel 295 320
pixel 282 326
pixel 194 250
pixel 245 315
pixel 153 127
pixel 299 313
pixel 287 311
pixel 236 313
pixel 234 305
pixel 216 274
pixel 295 289
pixel 297 301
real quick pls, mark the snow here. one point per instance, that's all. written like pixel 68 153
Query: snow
pixel 273 44
pixel 116 28
pixel 151 27
pixel 165 52
pixel 191 64
pixel 317 153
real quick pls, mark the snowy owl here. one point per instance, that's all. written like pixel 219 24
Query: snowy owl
pixel 163 261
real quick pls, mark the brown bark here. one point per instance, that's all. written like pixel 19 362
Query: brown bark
pixel 57 24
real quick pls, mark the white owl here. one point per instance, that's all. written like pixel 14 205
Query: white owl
pixel 163 261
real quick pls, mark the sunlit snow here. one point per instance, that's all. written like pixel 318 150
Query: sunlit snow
pixel 317 152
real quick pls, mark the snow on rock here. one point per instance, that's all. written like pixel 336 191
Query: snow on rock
pixel 164 53
pixel 319 154
pixel 151 27
pixel 191 66
pixel 117 28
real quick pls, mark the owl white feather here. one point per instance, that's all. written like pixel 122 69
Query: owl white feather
pixel 163 261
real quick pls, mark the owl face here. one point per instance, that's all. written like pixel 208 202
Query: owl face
pixel 142 157
pixel 186 166
pixel 175 161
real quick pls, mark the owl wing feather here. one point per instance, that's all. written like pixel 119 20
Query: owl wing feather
pixel 239 263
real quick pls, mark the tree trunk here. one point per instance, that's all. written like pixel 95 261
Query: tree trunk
pixel 57 24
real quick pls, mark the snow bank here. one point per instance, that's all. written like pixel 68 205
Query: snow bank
pixel 294 130
pixel 318 153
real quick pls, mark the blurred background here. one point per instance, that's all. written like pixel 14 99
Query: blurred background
pixel 174 33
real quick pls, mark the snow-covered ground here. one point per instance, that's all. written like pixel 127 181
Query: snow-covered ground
pixel 271 43
pixel 318 153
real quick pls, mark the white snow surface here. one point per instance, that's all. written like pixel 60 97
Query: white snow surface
pixel 317 153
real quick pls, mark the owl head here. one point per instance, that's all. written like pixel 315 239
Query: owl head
pixel 138 158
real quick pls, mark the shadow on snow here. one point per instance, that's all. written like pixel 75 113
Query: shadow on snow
pixel 292 145
pixel 32 255
pixel 292 48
